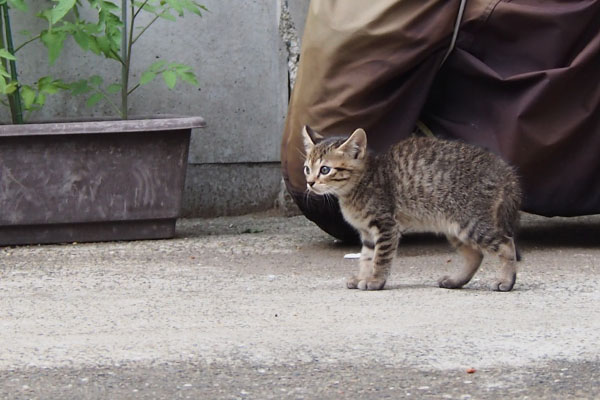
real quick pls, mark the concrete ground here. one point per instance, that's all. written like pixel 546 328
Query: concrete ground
pixel 255 307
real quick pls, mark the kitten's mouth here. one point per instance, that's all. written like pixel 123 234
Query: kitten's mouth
pixel 313 190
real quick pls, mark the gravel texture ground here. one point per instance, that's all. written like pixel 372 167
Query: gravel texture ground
pixel 255 307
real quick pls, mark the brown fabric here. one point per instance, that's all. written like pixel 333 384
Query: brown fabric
pixel 523 81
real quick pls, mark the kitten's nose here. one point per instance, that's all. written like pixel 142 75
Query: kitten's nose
pixel 310 183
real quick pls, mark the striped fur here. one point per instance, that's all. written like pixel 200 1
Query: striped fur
pixel 423 184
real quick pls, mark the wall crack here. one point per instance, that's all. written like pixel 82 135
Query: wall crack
pixel 289 35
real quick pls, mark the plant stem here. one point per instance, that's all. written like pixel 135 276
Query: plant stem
pixel 133 88
pixel 2 45
pixel 16 107
pixel 125 58
pixel 140 8
pixel 117 57
pixel 33 39
pixel 130 38
pixel 145 28
pixel 108 100
pixel 130 45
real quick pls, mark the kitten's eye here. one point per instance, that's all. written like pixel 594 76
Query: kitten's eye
pixel 306 170
pixel 325 170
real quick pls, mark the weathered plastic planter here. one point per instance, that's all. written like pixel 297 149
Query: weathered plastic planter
pixel 92 181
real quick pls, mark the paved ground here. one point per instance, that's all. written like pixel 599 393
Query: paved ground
pixel 255 307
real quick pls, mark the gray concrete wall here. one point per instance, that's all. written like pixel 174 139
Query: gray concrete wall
pixel 241 59
pixel 298 10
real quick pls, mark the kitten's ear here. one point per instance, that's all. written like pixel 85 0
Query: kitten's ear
pixel 356 145
pixel 310 137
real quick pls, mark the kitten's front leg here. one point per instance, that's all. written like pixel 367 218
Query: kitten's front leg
pixel 365 262
pixel 375 271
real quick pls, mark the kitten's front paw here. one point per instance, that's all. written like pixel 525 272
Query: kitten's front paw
pixel 352 282
pixel 447 282
pixel 371 284
pixel 504 285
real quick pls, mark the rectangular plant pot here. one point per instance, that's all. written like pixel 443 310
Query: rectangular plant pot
pixel 92 181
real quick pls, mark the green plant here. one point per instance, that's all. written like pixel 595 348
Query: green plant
pixel 112 35
pixel 116 40
pixel 8 80
pixel 23 97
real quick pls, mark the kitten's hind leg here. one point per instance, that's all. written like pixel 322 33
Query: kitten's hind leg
pixel 508 275
pixel 473 257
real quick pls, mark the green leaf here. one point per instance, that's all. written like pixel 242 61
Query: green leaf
pixel 54 42
pixel 147 77
pixel 11 87
pixel 45 80
pixel 193 7
pixel 4 72
pixel 65 26
pixel 50 85
pixel 96 80
pixel 170 78
pixel 60 10
pixel 176 5
pixel 109 6
pixel 91 29
pixel 112 25
pixel 80 87
pixel 168 16
pixel 7 88
pixel 93 46
pixel 107 46
pixel 82 39
pixel 18 4
pixel 40 100
pixel 6 54
pixel 157 66
pixel 190 78
pixel 113 88
pixel 103 44
pixel 28 96
pixel 180 67
pixel 94 99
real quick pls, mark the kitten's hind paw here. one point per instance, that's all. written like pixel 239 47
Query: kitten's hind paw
pixel 447 282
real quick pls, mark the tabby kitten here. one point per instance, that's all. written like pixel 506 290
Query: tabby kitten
pixel 423 184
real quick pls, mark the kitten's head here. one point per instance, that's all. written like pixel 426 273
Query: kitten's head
pixel 334 164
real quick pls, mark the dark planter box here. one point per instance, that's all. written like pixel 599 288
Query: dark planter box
pixel 92 181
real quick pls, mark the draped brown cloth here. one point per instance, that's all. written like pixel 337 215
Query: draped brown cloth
pixel 522 81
